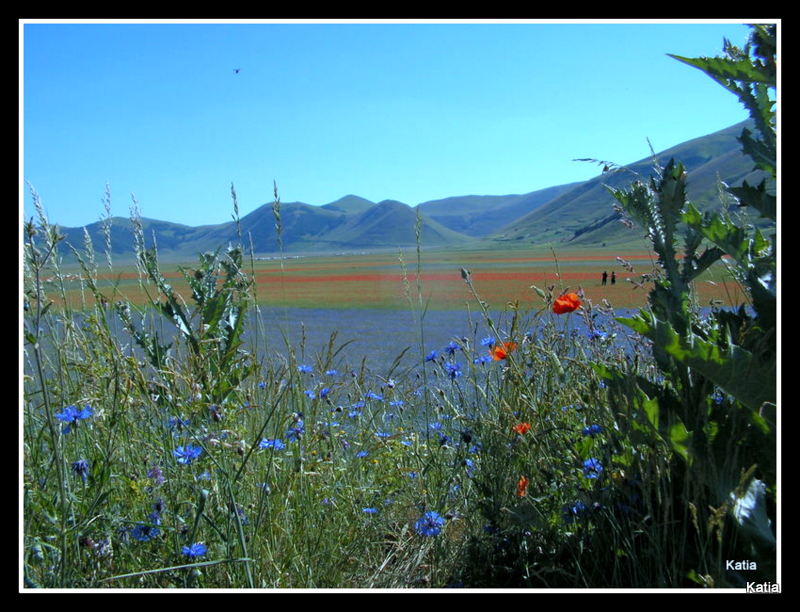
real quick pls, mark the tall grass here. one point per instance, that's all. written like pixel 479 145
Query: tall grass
pixel 298 470
pixel 163 448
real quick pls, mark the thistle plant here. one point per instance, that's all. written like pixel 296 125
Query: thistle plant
pixel 714 405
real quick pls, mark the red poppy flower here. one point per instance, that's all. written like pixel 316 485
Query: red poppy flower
pixel 522 486
pixel 521 428
pixel 501 351
pixel 566 303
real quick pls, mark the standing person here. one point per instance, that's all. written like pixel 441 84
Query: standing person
pixel 605 277
pixel 613 277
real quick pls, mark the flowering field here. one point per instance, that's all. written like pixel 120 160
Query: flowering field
pixel 385 281
pixel 176 435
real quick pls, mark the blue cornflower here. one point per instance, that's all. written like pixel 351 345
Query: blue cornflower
pixel 374 396
pixel 488 341
pixel 307 369
pixel 482 359
pixel 262 385
pixel 187 454
pixel 413 475
pixel 358 405
pixel 156 475
pixel 435 426
pixel 331 372
pixel 369 510
pixel 382 434
pixel 293 433
pixel 323 393
pixel 592 430
pixel 453 370
pixel 195 550
pixel 362 453
pixel 429 524
pixel 353 414
pixel 431 356
pixel 81 468
pixel 592 468
pixel 144 532
pixel 575 512
pixel 396 403
pixel 72 415
pixel 451 348
pixel 273 443
pixel 310 393
pixel 596 334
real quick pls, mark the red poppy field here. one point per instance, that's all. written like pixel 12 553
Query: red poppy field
pixel 378 280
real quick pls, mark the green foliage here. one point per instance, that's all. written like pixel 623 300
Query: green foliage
pixel 731 354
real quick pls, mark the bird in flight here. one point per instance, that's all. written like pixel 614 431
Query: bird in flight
pixel 236 70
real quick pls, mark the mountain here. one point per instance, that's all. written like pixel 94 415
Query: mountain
pixel 480 216
pixel 584 215
pixel 576 214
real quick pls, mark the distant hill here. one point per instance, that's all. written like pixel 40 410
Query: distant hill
pixel 576 213
pixel 584 215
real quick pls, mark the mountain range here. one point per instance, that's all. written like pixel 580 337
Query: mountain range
pixel 576 214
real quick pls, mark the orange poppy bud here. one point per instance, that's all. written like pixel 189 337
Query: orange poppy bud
pixel 566 303
pixel 522 486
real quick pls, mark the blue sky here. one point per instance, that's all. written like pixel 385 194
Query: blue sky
pixel 403 111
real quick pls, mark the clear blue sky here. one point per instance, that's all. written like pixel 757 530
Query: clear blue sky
pixel 409 112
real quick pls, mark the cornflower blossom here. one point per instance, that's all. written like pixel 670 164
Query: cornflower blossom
pixel 369 510
pixel 81 468
pixel 273 443
pixel 592 430
pixel 374 396
pixel 187 454
pixel 431 356
pixel 429 524
pixel 592 468
pixel 331 372
pixel 362 453
pixel 489 341
pixel 195 550
pixel 144 532
pixel 575 512
pixel 453 370
pixel 71 415
pixel 305 369
pixel 451 348
pixel 156 475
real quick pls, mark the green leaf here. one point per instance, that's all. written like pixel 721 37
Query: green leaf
pixel 725 70
pixel 680 439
